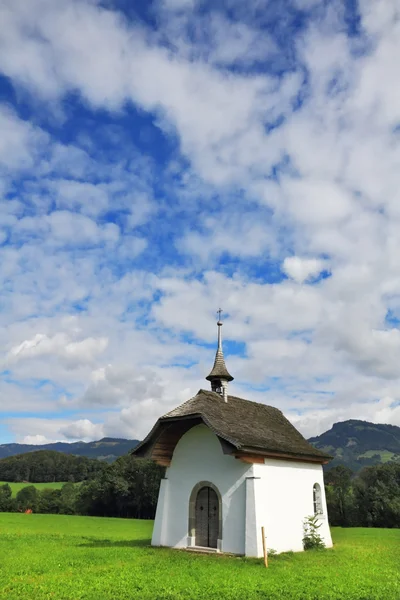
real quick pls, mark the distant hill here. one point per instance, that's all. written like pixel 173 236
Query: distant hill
pixel 48 466
pixel 357 444
pixel 353 443
pixel 107 449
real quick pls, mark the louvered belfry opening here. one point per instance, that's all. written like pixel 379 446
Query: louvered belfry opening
pixel 207 518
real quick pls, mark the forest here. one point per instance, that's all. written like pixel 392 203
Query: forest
pixel 129 488
pixel 370 498
pixel 126 488
pixel 46 466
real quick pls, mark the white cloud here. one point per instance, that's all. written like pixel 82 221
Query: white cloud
pixel 20 142
pixel 82 430
pixel 121 385
pixel 35 440
pixel 375 351
pixel 77 195
pixel 218 117
pixel 251 181
pixel 60 345
pixel 301 269
pixel 236 236
pixel 48 431
pixel 317 202
pixel 69 227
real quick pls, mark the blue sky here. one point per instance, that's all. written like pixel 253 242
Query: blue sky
pixel 161 159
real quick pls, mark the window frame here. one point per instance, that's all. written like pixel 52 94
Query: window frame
pixel 317 500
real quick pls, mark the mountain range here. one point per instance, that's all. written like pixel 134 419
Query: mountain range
pixel 107 449
pixel 353 443
pixel 358 444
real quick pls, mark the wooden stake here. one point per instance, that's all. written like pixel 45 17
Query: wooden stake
pixel 264 547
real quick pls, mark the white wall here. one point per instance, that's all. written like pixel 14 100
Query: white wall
pixel 198 457
pixel 285 499
pixel 277 495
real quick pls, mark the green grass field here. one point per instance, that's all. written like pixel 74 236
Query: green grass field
pixel 15 487
pixel 76 558
pixel 385 455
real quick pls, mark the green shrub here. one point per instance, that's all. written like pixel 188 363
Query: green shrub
pixel 311 538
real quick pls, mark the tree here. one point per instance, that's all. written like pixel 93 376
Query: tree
pixel 28 498
pixel 143 479
pixel 338 480
pixel 377 495
pixel 68 496
pixel 5 498
pixel 128 488
pixel 49 501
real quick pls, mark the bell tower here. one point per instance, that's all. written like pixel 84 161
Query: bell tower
pixel 219 376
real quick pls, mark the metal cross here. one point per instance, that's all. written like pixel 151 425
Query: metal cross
pixel 219 311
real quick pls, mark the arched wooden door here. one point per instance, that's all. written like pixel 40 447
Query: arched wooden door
pixel 206 518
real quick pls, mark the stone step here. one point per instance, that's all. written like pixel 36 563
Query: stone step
pixel 202 549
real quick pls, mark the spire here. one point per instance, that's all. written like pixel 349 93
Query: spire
pixel 219 376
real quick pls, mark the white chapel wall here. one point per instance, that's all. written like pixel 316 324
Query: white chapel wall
pixel 278 494
pixel 198 457
pixel 285 498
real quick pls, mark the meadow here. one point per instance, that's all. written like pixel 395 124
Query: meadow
pixel 91 558
pixel 15 487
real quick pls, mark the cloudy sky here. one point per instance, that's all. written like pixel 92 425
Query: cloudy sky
pixel 161 159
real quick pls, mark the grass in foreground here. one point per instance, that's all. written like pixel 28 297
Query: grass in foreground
pixel 15 487
pixel 84 558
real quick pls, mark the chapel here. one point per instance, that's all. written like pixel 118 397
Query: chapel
pixel 233 466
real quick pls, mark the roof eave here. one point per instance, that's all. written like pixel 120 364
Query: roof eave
pixel 140 450
pixel 321 458
pixel 225 376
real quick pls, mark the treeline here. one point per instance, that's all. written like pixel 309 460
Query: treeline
pixel 127 488
pixel 370 498
pixel 47 466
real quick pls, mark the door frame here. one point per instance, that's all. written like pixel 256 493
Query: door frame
pixel 192 513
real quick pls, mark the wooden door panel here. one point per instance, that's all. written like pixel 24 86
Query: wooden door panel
pixel 207 518
pixel 213 518
pixel 202 517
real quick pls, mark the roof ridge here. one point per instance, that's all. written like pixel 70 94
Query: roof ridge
pixel 183 404
pixel 241 399
pixel 258 403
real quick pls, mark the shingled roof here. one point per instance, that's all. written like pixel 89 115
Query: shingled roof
pixel 219 369
pixel 245 426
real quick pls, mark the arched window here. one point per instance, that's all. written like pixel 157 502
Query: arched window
pixel 317 499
